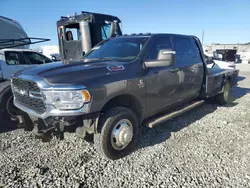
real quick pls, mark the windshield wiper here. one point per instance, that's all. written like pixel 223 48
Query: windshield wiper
pixel 107 59
pixel 101 59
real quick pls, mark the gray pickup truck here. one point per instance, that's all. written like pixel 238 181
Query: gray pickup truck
pixel 120 84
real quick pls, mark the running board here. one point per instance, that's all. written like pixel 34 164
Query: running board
pixel 153 122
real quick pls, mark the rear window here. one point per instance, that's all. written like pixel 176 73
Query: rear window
pixel 184 48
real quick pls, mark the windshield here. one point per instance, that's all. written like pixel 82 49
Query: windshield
pixel 121 49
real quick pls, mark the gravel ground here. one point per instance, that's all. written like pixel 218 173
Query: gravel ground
pixel 207 147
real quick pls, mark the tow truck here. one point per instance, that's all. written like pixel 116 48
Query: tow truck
pixel 77 34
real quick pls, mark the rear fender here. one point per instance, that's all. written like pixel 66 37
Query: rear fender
pixel 215 82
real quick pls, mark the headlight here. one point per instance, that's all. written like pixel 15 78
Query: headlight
pixel 67 100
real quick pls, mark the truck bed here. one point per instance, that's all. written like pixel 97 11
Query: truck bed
pixel 216 78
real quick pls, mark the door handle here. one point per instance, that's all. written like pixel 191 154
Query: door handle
pixel 174 70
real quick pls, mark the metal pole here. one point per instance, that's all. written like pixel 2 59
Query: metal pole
pixel 202 37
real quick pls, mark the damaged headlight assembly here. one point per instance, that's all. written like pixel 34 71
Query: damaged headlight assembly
pixel 66 100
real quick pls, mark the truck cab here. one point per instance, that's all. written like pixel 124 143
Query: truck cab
pixel 77 34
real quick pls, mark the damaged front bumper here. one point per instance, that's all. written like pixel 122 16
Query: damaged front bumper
pixel 46 128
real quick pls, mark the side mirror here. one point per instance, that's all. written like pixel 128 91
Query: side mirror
pixel 166 57
pixel 53 58
pixel 83 54
pixel 209 60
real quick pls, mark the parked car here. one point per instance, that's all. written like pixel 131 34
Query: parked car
pixel 12 61
pixel 119 85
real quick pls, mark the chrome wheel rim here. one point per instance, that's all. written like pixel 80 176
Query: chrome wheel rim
pixel 121 134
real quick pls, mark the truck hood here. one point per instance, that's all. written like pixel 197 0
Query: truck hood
pixel 74 72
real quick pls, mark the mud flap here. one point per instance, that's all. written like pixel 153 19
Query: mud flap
pixel 89 125
pixel 25 122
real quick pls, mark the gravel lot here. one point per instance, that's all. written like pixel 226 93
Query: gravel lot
pixel 207 147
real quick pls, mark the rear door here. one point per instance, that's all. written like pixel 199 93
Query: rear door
pixel 190 65
pixel 162 83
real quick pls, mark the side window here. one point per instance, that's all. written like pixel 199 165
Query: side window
pixel 184 48
pixel 159 44
pixel 105 31
pixel 15 58
pixel 73 32
pixel 35 58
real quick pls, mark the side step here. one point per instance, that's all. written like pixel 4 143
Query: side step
pixel 156 121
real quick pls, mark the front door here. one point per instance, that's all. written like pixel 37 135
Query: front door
pixel 162 83
pixel 70 41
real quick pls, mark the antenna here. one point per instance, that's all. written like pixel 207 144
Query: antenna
pixel 121 24
pixel 202 37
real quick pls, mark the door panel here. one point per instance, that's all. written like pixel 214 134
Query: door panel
pixel 72 49
pixel 190 66
pixel 162 83
pixel 162 88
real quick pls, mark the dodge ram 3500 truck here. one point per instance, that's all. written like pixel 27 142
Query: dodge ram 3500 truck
pixel 120 84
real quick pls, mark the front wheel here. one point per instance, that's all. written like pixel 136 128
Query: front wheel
pixel 117 133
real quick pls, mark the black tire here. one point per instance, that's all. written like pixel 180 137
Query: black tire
pixel 8 110
pixel 4 94
pixel 102 140
pixel 223 97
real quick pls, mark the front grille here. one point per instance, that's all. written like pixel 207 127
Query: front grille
pixel 25 84
pixel 34 104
